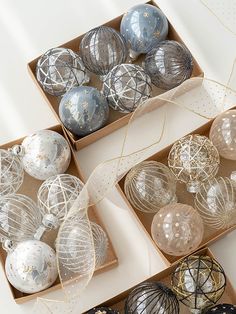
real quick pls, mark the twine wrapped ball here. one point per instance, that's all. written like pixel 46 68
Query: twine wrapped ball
pixel 102 48
pixel 222 309
pixel 126 87
pixel 60 69
pixel 169 64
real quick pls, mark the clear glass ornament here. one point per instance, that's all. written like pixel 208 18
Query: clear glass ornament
pixel 216 202
pixel 83 110
pixel 223 134
pixel 31 266
pixel 11 173
pixel 177 229
pixel 149 186
pixel 222 309
pixel 169 64
pixel 193 159
pixel 126 87
pixel 60 69
pixel 100 244
pixel 151 298
pixel 102 48
pixel 199 282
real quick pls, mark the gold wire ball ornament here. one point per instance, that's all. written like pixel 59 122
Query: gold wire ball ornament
pixel 216 202
pixel 149 186
pixel 199 282
pixel 194 159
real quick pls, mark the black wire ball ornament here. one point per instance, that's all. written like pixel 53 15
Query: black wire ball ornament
pixel 60 69
pixel 222 309
pixel 102 48
pixel 199 282
pixel 126 87
pixel 151 298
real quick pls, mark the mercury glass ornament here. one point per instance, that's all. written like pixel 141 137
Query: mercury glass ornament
pixel 143 26
pixel 151 298
pixel 177 229
pixel 11 172
pixel 216 202
pixel 102 310
pixel 31 267
pixel 102 48
pixel 169 64
pixel 60 69
pixel 193 159
pixel 199 282
pixel 126 87
pixel 222 309
pixel 149 186
pixel 83 110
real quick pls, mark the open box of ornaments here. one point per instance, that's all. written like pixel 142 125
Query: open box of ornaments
pixel 184 196
pixel 93 82
pixel 196 284
pixel 40 181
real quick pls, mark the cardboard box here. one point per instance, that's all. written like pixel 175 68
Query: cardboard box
pixel 145 219
pixel 30 187
pixel 116 119
pixel 118 301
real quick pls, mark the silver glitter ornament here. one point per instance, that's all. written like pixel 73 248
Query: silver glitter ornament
pixel 60 69
pixel 102 48
pixel 83 110
pixel 126 87
pixel 31 267
pixel 169 64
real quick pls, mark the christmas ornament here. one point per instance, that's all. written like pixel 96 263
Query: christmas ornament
pixel 199 282
pixel 193 159
pixel 102 48
pixel 11 173
pixel 149 186
pixel 100 244
pixel 60 69
pixel 177 229
pixel 102 310
pixel 223 134
pixel 126 87
pixel 143 26
pixel 222 309
pixel 152 298
pixel 169 64
pixel 31 266
pixel 83 110
pixel 216 202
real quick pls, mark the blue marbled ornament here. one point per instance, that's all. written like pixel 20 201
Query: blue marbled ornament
pixel 143 26
pixel 83 110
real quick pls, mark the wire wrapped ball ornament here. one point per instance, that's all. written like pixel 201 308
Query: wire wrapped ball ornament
pixel 221 309
pixel 169 64
pixel 60 69
pixel 126 87
pixel 151 298
pixel 199 282
pixel 193 159
pixel 102 48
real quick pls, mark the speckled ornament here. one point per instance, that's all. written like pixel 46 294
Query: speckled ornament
pixel 31 266
pixel 102 310
pixel 221 309
pixel 83 110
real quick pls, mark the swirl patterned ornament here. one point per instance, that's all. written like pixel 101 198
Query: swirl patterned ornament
pixel 60 69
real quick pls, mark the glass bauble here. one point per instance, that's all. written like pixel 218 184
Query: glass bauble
pixel 193 159
pixel 151 298
pixel 83 110
pixel 45 153
pixel 126 87
pixel 143 26
pixel 60 69
pixel 169 64
pixel 222 309
pixel 149 186
pixel 102 48
pixel 223 134
pixel 199 282
pixel 216 202
pixel 31 267
pixel 177 229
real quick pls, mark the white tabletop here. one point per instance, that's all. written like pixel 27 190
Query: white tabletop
pixel 29 28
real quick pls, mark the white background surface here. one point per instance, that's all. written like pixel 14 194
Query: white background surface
pixel 29 28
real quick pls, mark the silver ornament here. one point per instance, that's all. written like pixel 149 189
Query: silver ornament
pixel 31 267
